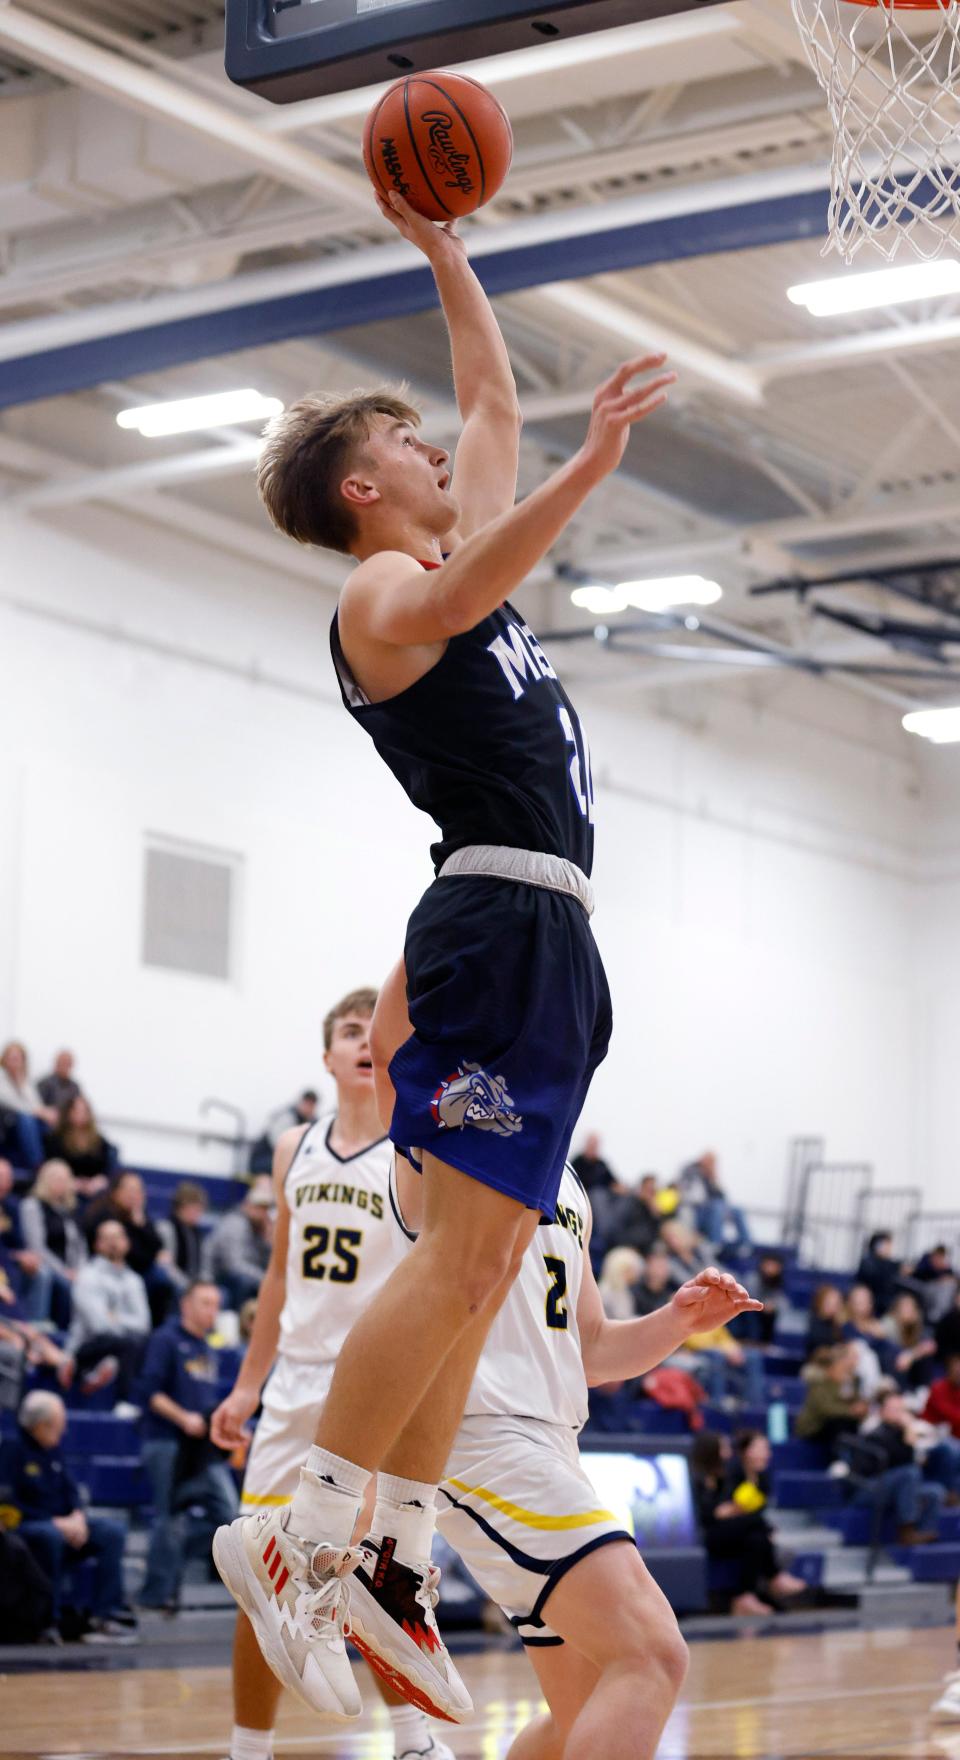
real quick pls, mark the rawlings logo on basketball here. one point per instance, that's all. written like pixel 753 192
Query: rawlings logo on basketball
pixel 443 154
pixel 470 1096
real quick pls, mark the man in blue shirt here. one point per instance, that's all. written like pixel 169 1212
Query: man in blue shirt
pixel 179 1391
pixel 54 1524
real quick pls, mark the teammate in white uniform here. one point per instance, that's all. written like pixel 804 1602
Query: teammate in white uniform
pixel 519 1508
pixel 335 1244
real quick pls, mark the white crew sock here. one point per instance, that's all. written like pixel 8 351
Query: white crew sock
pixel 251 1744
pixel 410 1729
pixel 406 1509
pixel 327 1500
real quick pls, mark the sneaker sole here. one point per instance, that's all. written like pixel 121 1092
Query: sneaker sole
pixel 231 1562
pixel 400 1662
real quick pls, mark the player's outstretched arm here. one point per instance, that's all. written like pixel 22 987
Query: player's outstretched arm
pixel 226 1425
pixel 389 599
pixel 488 453
pixel 617 1350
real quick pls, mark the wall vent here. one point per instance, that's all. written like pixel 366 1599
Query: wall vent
pixel 189 905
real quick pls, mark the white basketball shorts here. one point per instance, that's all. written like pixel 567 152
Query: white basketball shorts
pixel 517 1506
pixel 292 1403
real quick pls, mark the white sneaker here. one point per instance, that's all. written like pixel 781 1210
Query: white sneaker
pixel 433 1751
pixel 393 1625
pixel 296 1600
pixel 947 1708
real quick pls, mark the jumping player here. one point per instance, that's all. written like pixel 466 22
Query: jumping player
pixel 335 1244
pixel 506 991
pixel 518 1507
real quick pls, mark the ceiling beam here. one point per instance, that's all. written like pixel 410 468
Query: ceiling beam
pixel 153 94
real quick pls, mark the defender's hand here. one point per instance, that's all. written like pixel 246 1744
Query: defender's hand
pixel 713 1299
pixel 431 239
pixel 618 405
pixel 226 1425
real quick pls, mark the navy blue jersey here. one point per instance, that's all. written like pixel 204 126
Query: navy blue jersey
pixel 488 743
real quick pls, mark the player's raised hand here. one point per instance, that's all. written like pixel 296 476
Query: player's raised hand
pixel 226 1425
pixel 713 1299
pixel 427 235
pixel 636 389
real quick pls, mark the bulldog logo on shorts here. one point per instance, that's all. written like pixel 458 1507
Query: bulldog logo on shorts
pixel 470 1096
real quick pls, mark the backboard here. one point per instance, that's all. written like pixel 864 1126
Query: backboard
pixel 292 49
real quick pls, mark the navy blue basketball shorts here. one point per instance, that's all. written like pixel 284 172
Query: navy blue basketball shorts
pixel 511 1016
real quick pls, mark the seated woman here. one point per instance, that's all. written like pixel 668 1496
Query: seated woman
pixel 20 1100
pixel 914 1349
pixel 732 1530
pixel 826 1318
pixel 49 1231
pixel 78 1141
pixel 875 1354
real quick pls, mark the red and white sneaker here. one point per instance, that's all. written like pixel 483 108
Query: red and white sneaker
pixel 296 1598
pixel 393 1625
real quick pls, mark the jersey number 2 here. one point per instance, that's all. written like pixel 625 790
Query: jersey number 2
pixel 581 775
pixel 316 1242
pixel 556 1306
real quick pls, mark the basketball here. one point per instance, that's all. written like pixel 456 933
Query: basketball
pixel 442 140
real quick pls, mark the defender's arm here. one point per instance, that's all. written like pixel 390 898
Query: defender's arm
pixel 617 1350
pixel 226 1425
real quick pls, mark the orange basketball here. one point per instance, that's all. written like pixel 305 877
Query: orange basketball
pixel 442 140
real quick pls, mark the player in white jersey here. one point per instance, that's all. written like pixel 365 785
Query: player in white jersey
pixel 523 1515
pixel 335 1245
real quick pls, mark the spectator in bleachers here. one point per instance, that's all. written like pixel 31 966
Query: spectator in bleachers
pixel 654 1289
pixel 684 1252
pixel 178 1386
pixel 51 1233
pixel 879 1270
pixel 731 1532
pixel 833 1407
pixel 749 1481
pixel 621 1271
pixel 126 1202
pixel 55 1526
pixel 30 1118
pixel 894 1482
pixel 300 1112
pixel 947 1332
pixel 827 1319
pixel 239 1248
pixel 111 1316
pixel 182 1234
pixel 915 1350
pixel 592 1171
pixel 874 1351
pixel 713 1212
pixel 60 1086
pixel 77 1140
pixel 246 1320
pixel 770 1290
pixel 935 1273
pixel 25 1263
pixel 943 1400
pixel 21 1343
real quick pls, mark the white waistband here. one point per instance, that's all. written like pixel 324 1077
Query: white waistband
pixel 530 866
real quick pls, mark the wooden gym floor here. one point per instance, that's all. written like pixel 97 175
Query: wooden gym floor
pixel 846 1695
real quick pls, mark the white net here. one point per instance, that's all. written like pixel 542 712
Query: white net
pixel 891 72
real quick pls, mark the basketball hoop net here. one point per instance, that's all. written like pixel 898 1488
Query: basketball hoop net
pixel 891 72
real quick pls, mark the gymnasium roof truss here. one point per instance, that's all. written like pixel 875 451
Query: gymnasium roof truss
pixel 824 455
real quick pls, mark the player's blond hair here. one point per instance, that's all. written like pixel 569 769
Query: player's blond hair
pixel 306 450
pixel 361 1002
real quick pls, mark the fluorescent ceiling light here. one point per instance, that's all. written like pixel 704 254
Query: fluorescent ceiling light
pixel 224 409
pixel 942 726
pixel 881 287
pixel 656 595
